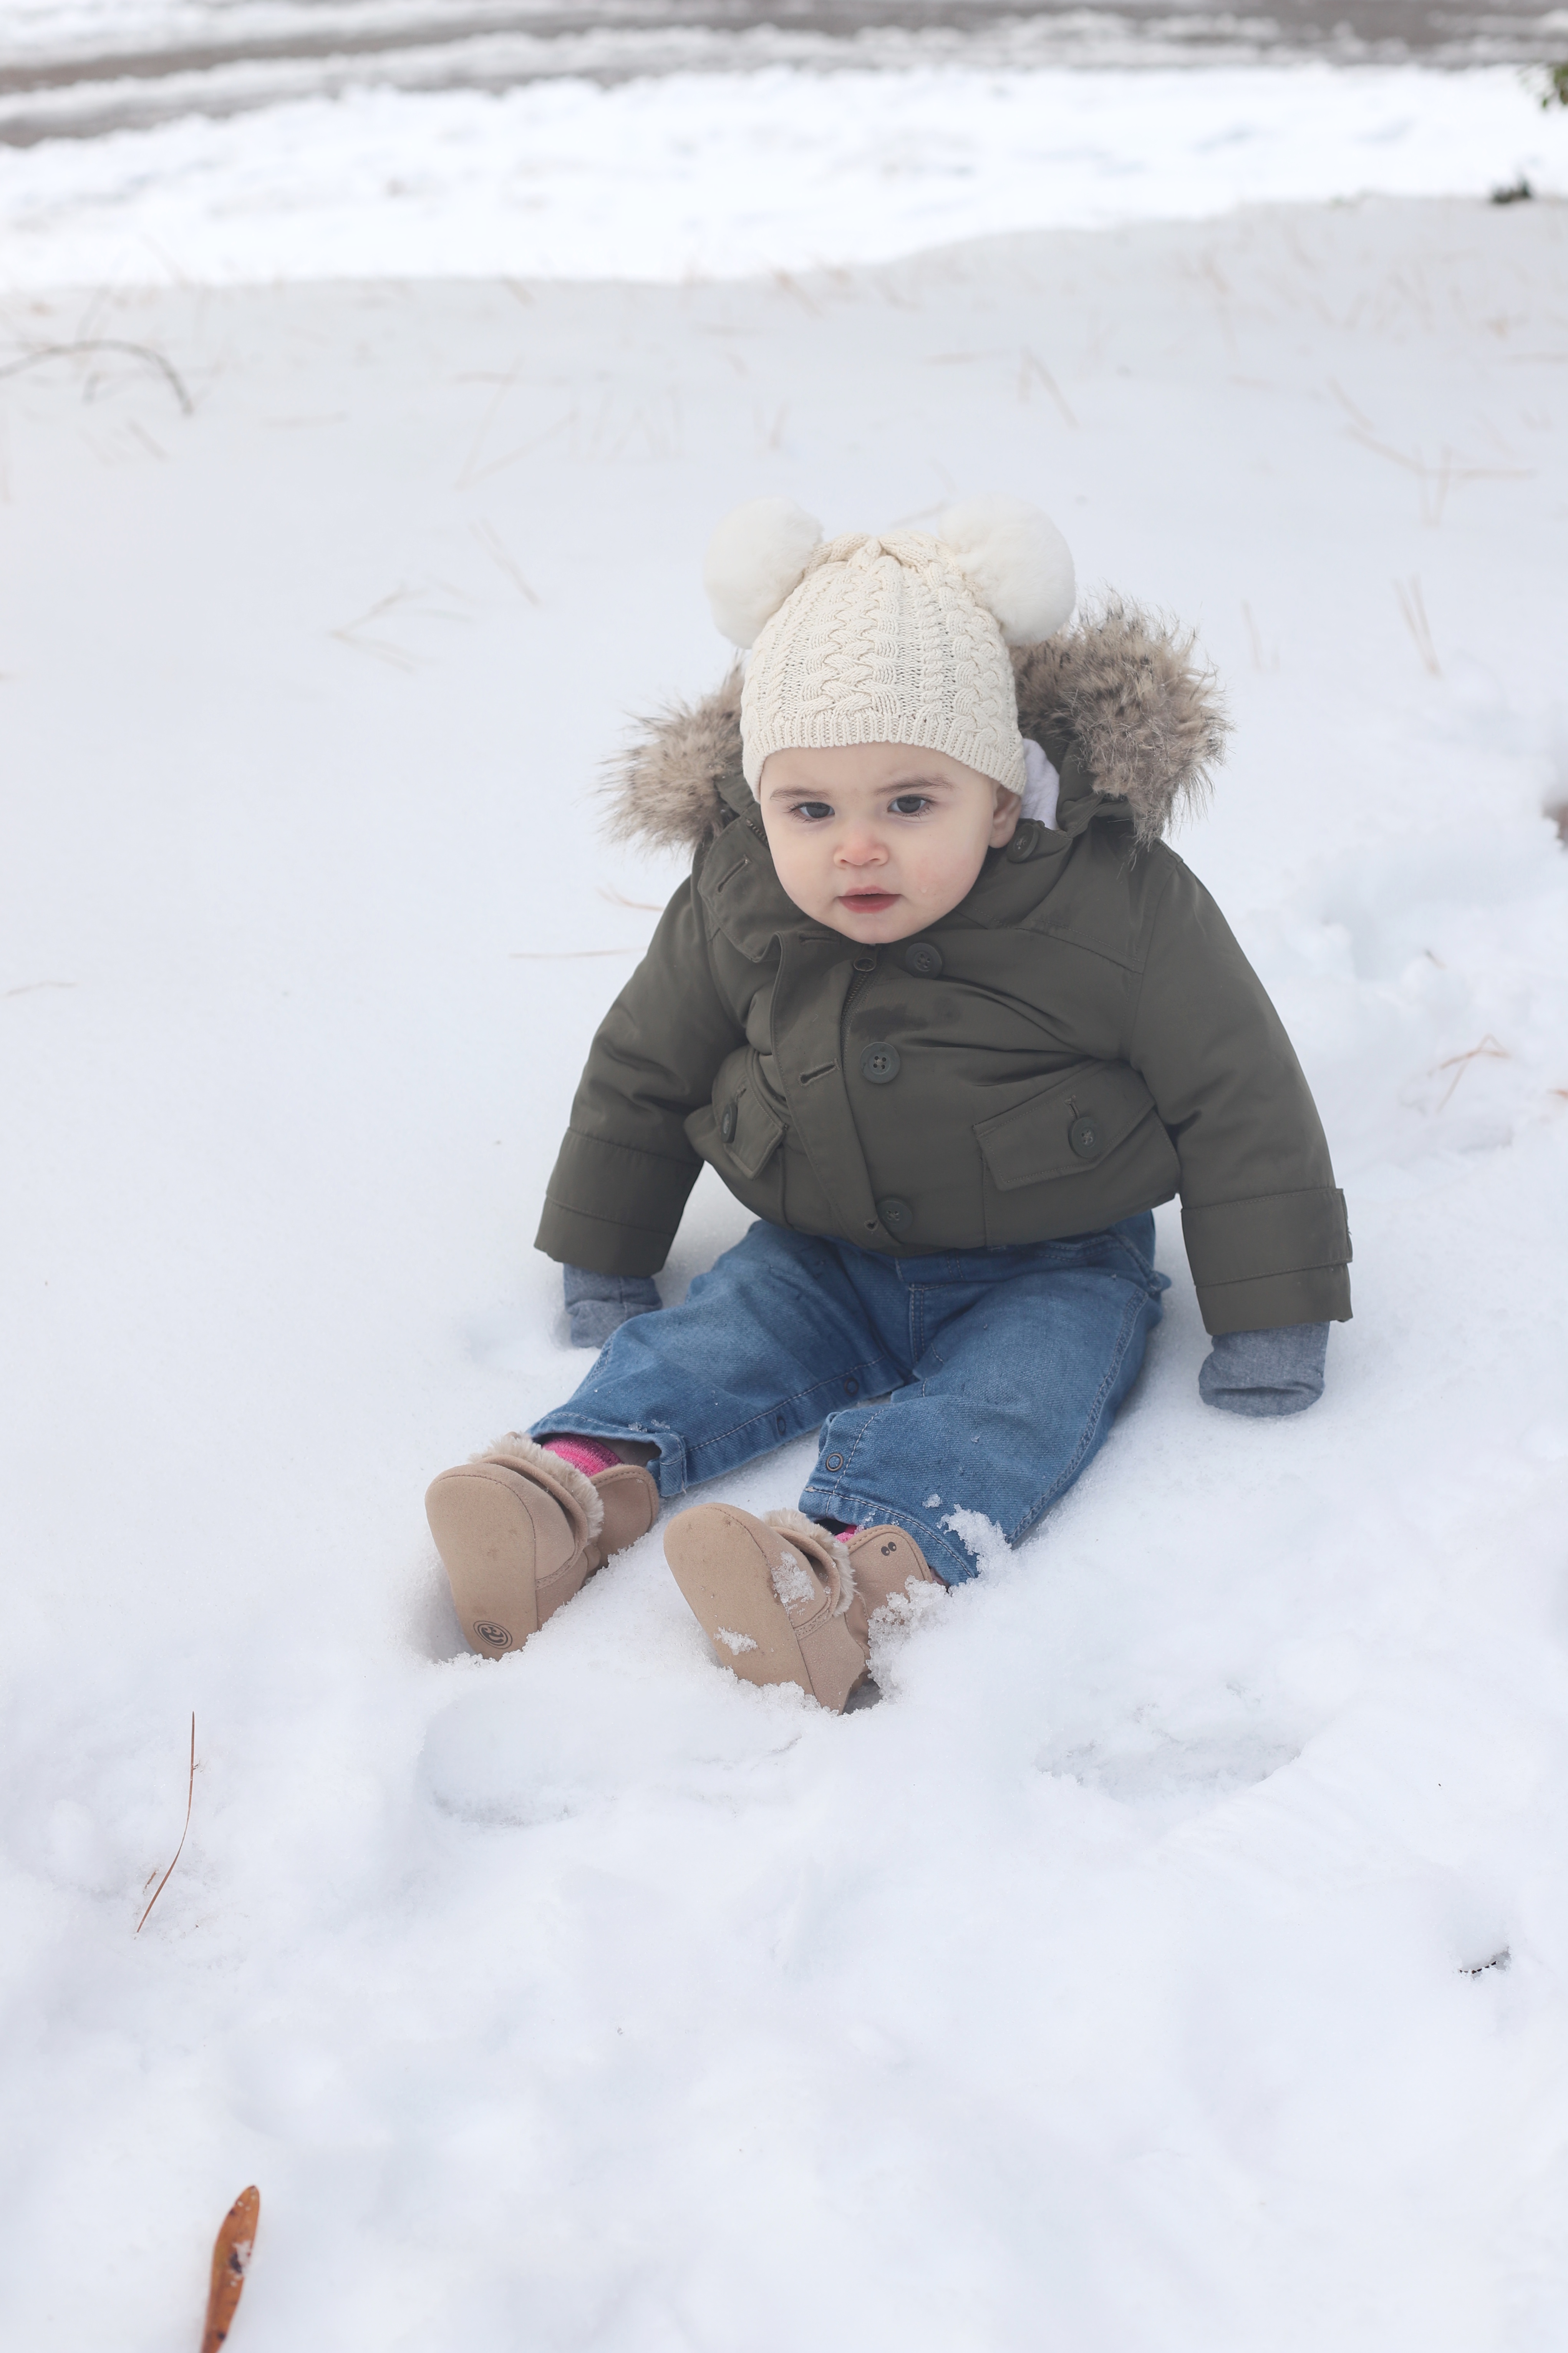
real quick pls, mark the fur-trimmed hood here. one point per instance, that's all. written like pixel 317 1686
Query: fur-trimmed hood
pixel 1124 690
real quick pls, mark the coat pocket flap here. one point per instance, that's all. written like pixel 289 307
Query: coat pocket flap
pixel 757 1131
pixel 1068 1129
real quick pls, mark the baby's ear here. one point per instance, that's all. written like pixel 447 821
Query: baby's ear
pixel 1004 816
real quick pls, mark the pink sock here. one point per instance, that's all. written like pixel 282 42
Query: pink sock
pixel 589 1455
pixel 842 1535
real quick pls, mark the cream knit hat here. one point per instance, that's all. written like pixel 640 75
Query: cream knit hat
pixel 896 639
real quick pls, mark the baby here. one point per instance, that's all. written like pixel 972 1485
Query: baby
pixel 943 1010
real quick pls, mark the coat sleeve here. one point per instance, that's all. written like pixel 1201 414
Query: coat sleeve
pixel 625 1167
pixel 1263 1219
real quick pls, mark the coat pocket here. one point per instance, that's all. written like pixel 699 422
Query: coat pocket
pixel 757 1133
pixel 1069 1129
pixel 741 1131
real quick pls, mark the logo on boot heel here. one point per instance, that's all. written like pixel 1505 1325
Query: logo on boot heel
pixel 489 1632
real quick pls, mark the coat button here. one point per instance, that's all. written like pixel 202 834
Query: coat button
pixel 865 963
pixel 895 1214
pixel 880 1063
pixel 924 960
pixel 1084 1137
pixel 727 1124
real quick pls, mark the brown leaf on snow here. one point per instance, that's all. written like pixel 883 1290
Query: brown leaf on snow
pixel 231 2260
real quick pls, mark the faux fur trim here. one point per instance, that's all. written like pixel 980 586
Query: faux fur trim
pixel 664 788
pixel 822 1546
pixel 1129 687
pixel 514 1447
pixel 1144 710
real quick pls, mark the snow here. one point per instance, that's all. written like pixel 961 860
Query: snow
pixel 1131 1978
pixel 725 174
pixel 792 1581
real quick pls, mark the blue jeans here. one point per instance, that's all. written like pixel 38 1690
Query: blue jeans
pixel 972 1382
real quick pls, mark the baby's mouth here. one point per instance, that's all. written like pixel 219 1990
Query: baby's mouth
pixel 868 902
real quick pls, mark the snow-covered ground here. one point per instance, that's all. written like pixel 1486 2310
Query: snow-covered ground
pixel 726 173
pixel 1177 1960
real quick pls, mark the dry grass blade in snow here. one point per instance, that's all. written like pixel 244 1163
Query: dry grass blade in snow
pixel 1413 605
pixel 1033 368
pixel 419 603
pixel 1435 481
pixel 232 2251
pixel 145 352
pixel 500 555
pixel 619 899
pixel 1262 658
pixel 190 1800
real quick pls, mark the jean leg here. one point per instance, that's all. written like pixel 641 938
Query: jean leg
pixel 765 1345
pixel 1015 1384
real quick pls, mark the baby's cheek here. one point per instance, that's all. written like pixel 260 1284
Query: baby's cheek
pixel 946 876
pixel 799 878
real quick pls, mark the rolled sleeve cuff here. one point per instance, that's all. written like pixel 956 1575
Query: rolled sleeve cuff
pixel 1282 1258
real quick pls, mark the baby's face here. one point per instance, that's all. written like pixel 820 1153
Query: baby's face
pixel 877 840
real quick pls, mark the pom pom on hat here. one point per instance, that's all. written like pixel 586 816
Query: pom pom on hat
pixel 1016 563
pixel 757 556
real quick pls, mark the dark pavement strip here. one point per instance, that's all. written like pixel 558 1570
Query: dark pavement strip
pixel 324 45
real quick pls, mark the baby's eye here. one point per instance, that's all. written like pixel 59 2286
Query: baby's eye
pixel 814 810
pixel 910 804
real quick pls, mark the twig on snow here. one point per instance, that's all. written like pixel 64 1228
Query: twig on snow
pixel 190 1800
pixel 153 359
pixel 1460 1064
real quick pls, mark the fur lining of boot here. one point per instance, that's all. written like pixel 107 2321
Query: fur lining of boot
pixel 823 1546
pixel 525 1454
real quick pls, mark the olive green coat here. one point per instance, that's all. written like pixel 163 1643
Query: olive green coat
pixel 1080 1039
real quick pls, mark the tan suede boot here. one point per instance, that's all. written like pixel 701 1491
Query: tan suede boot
pixel 887 1564
pixel 519 1531
pixel 778 1596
